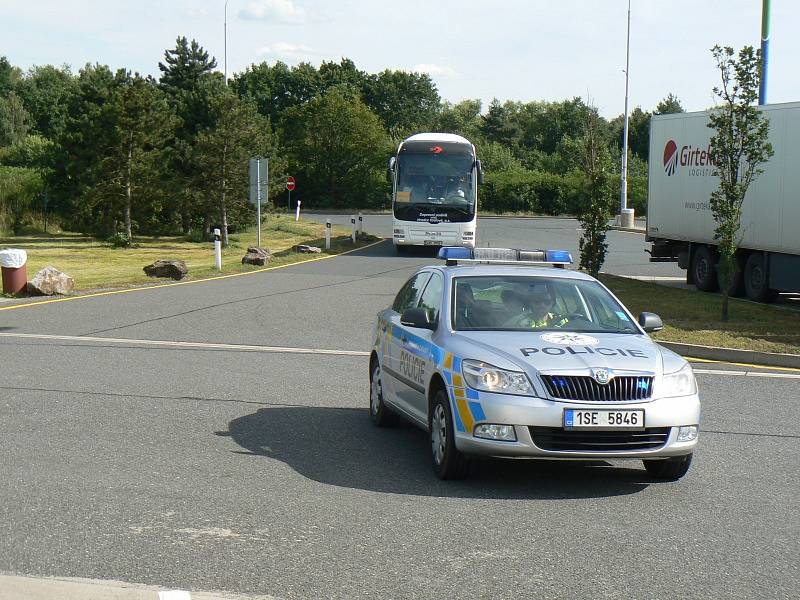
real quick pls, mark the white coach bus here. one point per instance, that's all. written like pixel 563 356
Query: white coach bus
pixel 435 179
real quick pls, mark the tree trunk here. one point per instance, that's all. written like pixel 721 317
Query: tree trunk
pixel 223 209
pixel 127 211
pixel 725 305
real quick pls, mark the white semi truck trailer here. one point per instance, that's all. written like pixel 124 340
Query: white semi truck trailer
pixel 679 220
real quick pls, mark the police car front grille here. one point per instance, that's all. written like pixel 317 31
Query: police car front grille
pixel 557 439
pixel 619 389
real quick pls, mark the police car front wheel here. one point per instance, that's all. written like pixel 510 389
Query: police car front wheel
pixel 670 469
pixel 448 462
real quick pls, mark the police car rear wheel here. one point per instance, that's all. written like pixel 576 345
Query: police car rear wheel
pixel 378 411
pixel 448 462
pixel 670 469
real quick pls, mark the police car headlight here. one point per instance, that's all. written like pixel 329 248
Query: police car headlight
pixel 488 378
pixel 680 383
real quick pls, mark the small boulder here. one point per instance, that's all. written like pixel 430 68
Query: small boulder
pixel 256 256
pixel 303 249
pixel 174 269
pixel 49 282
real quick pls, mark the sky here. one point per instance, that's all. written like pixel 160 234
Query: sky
pixel 511 50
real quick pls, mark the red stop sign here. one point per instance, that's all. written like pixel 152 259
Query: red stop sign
pixel 290 183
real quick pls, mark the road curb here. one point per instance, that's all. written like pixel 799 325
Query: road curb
pixel 770 359
pixel 628 229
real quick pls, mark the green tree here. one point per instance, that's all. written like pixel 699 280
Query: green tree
pixel 405 102
pixel 143 124
pixel 276 88
pixel 595 213
pixel 738 148
pixel 669 105
pixel 46 93
pixel 13 120
pixel 9 76
pixel 339 149
pixel 462 118
pixel 222 152
pixel 190 81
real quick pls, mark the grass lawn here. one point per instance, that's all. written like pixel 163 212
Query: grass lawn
pixel 693 317
pixel 95 265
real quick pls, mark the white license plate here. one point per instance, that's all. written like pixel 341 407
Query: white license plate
pixel 432 242
pixel 603 419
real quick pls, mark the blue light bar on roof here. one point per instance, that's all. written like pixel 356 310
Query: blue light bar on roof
pixel 454 253
pixel 504 255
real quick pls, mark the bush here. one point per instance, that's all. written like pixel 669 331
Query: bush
pixel 120 240
pixel 532 192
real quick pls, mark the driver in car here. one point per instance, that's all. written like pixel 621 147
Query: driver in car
pixel 534 310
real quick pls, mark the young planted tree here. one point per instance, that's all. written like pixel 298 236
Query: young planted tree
pixel 598 171
pixel 737 149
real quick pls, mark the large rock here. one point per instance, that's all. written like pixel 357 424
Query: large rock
pixel 256 256
pixel 304 249
pixel 49 282
pixel 174 269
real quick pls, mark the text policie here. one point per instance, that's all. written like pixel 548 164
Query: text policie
pixel 554 351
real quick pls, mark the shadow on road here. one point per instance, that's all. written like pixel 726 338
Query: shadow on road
pixel 340 446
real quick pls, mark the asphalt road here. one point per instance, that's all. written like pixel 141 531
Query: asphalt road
pixel 253 471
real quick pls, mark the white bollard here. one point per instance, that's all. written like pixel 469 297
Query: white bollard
pixel 297 212
pixel 353 224
pixel 217 250
pixel 360 225
pixel 327 234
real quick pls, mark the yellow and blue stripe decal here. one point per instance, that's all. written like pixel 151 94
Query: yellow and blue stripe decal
pixel 465 402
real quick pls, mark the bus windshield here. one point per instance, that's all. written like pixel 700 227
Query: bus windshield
pixel 435 182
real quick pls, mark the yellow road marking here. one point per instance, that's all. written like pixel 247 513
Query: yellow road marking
pixel 165 285
pixel 741 364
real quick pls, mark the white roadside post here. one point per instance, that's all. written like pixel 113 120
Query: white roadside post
pixel 360 225
pixel 327 234
pixel 353 224
pixel 217 250
pixel 297 212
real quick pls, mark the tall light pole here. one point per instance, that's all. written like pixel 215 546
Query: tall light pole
pixel 225 50
pixel 762 88
pixel 623 195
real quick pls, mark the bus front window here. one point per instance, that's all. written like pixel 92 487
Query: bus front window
pixel 435 186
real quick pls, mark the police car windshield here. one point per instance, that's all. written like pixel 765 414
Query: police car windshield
pixel 525 303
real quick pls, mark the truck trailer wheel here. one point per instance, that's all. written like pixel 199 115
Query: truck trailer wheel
pixel 756 280
pixel 704 269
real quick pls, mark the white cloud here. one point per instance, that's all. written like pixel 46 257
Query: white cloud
pixel 286 50
pixel 279 11
pixel 432 69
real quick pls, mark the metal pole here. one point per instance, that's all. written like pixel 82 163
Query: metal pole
pixel 762 87
pixel 258 200
pixel 225 52
pixel 289 206
pixel 623 195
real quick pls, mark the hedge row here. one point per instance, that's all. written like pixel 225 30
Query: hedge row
pixel 538 192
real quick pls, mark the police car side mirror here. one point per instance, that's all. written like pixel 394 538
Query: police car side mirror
pixel 650 322
pixel 417 317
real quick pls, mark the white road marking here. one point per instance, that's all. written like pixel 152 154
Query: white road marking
pixel 174 595
pixel 199 345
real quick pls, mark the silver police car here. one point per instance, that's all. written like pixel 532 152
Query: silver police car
pixel 498 353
